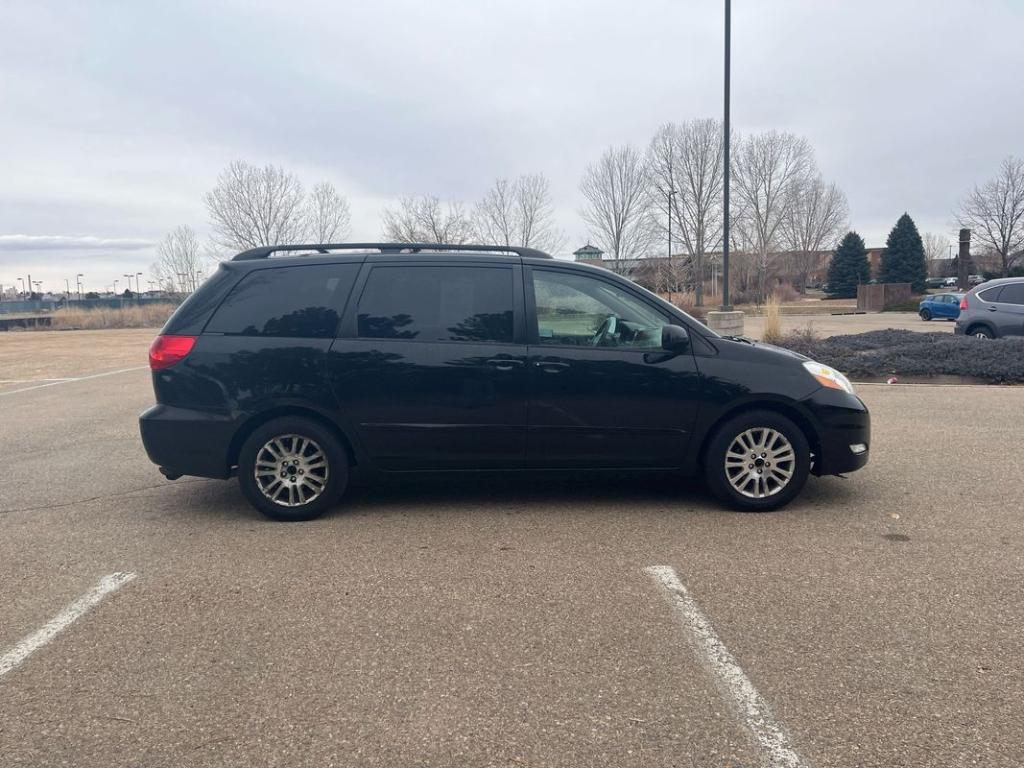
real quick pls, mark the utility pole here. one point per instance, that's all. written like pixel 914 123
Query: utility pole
pixel 726 303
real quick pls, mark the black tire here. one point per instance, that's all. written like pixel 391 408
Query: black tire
pixel 717 476
pixel 926 315
pixel 290 430
pixel 981 332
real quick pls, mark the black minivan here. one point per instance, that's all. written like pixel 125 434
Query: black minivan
pixel 294 366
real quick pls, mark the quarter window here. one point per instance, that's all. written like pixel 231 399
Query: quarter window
pixel 578 310
pixel 990 294
pixel 303 301
pixel 425 303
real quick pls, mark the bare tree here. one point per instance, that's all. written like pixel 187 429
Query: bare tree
pixel 816 218
pixel 618 207
pixel 995 213
pixel 177 261
pixel 251 206
pixel 327 215
pixel 519 213
pixel 767 170
pixel 936 247
pixel 685 173
pixel 424 220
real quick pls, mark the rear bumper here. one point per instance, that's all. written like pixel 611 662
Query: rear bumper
pixel 182 441
pixel 843 426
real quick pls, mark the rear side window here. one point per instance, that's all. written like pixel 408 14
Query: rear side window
pixel 990 294
pixel 437 304
pixel 1013 293
pixel 304 301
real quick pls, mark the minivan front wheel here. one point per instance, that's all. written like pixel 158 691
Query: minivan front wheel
pixel 292 469
pixel 757 461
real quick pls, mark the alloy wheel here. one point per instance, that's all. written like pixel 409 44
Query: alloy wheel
pixel 760 462
pixel 291 470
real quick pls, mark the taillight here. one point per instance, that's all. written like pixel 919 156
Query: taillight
pixel 165 351
pixel 963 303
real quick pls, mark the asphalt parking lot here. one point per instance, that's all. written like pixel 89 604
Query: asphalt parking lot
pixel 508 622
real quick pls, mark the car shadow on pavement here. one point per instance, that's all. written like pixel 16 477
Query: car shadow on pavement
pixel 535 492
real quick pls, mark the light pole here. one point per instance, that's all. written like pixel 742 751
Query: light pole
pixel 38 284
pixel 138 285
pixel 78 284
pixel 67 289
pixel 670 194
pixel 115 287
pixel 22 281
pixel 726 306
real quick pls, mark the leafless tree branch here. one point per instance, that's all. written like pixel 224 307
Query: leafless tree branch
pixel 995 213
pixel 177 261
pixel 424 220
pixel 617 211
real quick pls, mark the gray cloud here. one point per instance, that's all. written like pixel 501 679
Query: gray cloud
pixel 118 116
pixel 23 243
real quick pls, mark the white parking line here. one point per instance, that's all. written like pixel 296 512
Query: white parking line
pixel 55 382
pixel 752 709
pixel 62 621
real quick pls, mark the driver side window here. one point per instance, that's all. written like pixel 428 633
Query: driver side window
pixel 577 310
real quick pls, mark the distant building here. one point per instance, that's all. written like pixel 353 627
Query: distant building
pixel 588 253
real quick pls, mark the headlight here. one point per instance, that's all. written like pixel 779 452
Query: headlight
pixel 829 377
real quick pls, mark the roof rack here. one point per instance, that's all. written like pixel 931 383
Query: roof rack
pixel 265 251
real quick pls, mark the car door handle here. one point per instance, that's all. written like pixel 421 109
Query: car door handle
pixel 551 366
pixel 504 363
pixel 993 309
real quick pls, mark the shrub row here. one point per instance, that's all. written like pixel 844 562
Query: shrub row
pixel 910 353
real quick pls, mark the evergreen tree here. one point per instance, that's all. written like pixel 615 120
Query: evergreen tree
pixel 904 260
pixel 849 268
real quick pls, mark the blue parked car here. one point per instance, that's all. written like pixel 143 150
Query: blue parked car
pixel 945 306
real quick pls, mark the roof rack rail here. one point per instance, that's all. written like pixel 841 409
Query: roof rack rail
pixel 265 251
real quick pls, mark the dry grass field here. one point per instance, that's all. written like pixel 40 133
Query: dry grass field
pixel 143 316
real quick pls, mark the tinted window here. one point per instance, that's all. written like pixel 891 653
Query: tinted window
pixel 583 311
pixel 303 301
pixel 990 294
pixel 437 304
pixel 1012 294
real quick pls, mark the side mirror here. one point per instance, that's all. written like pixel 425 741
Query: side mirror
pixel 674 338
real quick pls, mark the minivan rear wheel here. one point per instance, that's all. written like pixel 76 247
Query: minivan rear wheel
pixel 757 461
pixel 292 469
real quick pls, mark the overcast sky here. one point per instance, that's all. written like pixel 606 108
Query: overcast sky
pixel 116 117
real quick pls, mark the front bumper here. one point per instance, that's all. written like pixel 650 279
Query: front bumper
pixel 843 424
pixel 182 441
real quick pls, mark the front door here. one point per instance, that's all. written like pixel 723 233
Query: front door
pixel 602 391
pixel 432 371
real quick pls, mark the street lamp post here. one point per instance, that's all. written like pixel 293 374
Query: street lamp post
pixel 78 284
pixel 670 194
pixel 726 138
pixel 138 285
pixel 22 281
